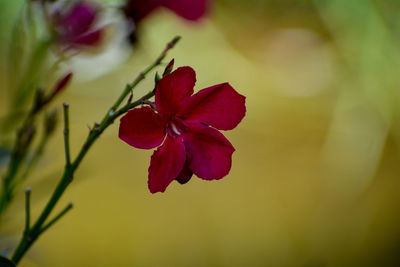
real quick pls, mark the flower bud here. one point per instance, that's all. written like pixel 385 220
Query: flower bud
pixel 25 137
pixel 169 67
pixel 62 83
pixel 157 78
pixel 39 99
pixel 50 122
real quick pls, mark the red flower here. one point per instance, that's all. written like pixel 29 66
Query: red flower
pixel 187 9
pixel 137 10
pixel 187 124
pixel 75 27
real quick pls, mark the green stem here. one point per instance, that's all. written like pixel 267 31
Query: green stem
pixel 27 210
pixel 31 163
pixel 34 233
pixel 142 75
pixel 20 149
pixel 55 219
pixel 66 135
pixel 6 190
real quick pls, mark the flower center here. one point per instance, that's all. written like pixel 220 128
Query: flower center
pixel 176 126
pixel 175 129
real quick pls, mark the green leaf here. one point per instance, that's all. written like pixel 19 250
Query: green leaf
pixel 4 262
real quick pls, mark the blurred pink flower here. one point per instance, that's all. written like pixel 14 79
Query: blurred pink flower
pixel 187 9
pixel 185 124
pixel 75 27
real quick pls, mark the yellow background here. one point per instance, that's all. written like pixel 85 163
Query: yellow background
pixel 315 176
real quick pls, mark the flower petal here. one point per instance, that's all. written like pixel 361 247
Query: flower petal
pixel 166 163
pixel 185 175
pixel 173 89
pixel 219 106
pixel 90 39
pixel 142 128
pixel 78 19
pixel 188 9
pixel 209 152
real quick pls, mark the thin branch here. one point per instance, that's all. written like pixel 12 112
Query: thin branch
pixel 32 162
pixel 27 210
pixel 170 45
pixel 66 135
pixel 55 219
pixel 142 75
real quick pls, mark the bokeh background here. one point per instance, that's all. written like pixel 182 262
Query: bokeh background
pixel 315 178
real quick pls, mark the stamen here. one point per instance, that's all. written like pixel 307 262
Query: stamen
pixel 174 129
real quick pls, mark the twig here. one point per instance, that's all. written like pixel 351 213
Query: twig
pixel 55 219
pixel 142 75
pixel 27 210
pixel 66 136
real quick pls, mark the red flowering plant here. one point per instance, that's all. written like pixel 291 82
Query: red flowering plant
pixel 186 125
pixel 183 125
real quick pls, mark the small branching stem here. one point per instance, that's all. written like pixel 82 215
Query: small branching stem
pixel 113 113
pixel 20 149
pixel 55 219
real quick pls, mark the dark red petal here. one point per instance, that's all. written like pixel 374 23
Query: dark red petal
pixel 219 106
pixel 142 128
pixel 209 152
pixel 173 89
pixel 136 10
pixel 78 19
pixel 185 174
pixel 188 9
pixel 90 39
pixel 166 163
pixel 62 83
